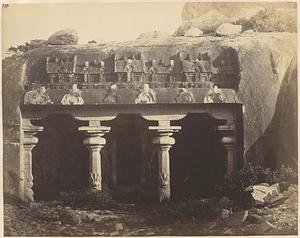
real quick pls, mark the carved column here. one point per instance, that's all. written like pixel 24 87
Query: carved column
pixel 29 141
pixel 226 137
pixel 94 141
pixel 164 142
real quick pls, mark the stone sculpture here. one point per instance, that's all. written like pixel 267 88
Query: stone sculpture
pixel 146 96
pixel 198 67
pixel 129 70
pixel 37 96
pixel 112 96
pixel 73 97
pixel 215 95
pixel 101 71
pixel 153 71
pixel 86 72
pixel 184 96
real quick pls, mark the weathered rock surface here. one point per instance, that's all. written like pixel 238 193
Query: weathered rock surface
pixel 228 29
pixel 193 32
pixel 207 23
pixel 265 194
pixel 263 17
pixel 64 37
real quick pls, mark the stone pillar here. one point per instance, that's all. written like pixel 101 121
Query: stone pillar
pixel 29 141
pixel 94 141
pixel 164 142
pixel 226 137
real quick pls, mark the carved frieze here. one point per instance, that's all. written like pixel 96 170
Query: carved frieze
pixel 126 71
pixel 129 69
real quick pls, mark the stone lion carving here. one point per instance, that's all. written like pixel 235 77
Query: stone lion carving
pixel 73 97
pixel 37 96
pixel 184 96
pixel 146 96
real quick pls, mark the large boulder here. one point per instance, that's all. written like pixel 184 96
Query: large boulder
pixel 210 21
pixel 64 37
pixel 193 32
pixel 207 23
pixel 228 29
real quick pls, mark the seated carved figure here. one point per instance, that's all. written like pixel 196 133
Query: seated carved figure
pixel 73 97
pixel 215 95
pixel 112 96
pixel 37 96
pixel 147 95
pixel 184 96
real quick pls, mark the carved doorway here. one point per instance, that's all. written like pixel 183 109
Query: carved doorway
pixel 197 158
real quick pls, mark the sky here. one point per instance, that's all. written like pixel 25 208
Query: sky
pixel 107 21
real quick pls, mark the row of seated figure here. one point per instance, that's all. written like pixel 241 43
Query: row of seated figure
pixel 130 70
pixel 145 95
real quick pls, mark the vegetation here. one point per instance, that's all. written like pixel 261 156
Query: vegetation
pixel 235 184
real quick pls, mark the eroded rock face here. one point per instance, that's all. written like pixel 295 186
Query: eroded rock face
pixel 64 37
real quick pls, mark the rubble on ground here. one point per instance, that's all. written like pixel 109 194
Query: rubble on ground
pixel 183 217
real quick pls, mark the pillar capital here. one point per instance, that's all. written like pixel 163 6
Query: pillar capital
pixel 93 135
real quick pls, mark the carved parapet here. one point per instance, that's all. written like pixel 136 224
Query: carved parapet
pixel 94 141
pixel 29 141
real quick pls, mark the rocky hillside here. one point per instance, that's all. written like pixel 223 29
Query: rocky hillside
pixel 262 17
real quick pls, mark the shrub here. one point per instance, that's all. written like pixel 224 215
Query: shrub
pixel 234 185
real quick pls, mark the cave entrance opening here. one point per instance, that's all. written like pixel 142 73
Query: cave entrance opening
pixel 59 160
pixel 198 160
